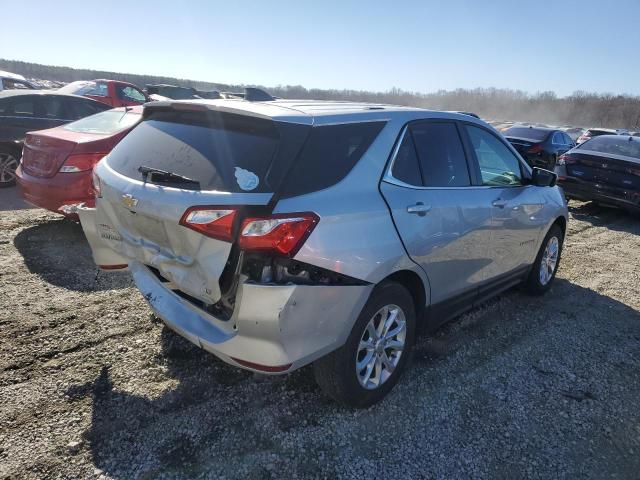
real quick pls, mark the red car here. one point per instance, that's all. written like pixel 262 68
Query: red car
pixel 111 92
pixel 57 164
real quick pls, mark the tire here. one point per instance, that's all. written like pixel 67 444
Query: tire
pixel 552 162
pixel 537 283
pixel 9 161
pixel 336 372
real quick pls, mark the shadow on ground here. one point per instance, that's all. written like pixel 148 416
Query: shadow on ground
pixel 219 417
pixel 58 252
pixel 603 216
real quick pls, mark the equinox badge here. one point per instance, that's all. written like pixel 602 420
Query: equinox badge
pixel 129 200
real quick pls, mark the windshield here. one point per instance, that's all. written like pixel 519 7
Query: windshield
pixel 104 123
pixel 530 133
pixel 613 145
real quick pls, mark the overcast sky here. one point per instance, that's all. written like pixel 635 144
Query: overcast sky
pixel 374 45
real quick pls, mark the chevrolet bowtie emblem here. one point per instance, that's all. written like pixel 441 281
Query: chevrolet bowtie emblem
pixel 129 200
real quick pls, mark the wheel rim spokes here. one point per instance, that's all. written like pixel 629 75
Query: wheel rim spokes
pixel 549 260
pixel 381 346
pixel 8 166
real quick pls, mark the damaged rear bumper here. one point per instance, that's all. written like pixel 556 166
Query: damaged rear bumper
pixel 273 329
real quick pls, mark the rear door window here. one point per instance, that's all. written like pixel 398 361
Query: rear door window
pixel 440 154
pixel 328 155
pixel 498 165
pixel 54 107
pixel 557 139
pixel 405 165
pixel 80 108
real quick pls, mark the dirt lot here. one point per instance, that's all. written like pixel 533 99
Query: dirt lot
pixel 92 385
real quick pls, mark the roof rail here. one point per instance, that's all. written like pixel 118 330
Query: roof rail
pixel 250 94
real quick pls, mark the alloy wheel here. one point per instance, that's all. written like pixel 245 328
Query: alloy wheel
pixel 8 166
pixel 549 260
pixel 381 346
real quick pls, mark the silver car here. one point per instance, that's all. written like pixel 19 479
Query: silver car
pixel 275 234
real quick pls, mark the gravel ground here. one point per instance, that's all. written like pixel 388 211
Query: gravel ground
pixel 93 386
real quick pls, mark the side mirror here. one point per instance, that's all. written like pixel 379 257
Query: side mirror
pixel 543 178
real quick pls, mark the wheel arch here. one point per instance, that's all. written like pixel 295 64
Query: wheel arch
pixel 416 287
pixel 561 221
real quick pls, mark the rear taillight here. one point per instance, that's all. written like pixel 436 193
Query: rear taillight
pixel 214 222
pixel 81 162
pixel 281 234
pixel 535 148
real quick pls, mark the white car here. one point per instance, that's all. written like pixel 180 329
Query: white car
pixel 11 81
pixel 596 132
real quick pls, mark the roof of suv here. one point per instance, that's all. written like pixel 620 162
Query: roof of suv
pixel 303 111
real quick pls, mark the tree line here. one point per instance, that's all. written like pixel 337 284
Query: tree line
pixel 581 108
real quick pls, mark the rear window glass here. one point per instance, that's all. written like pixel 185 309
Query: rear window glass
pixel 530 133
pixel 328 156
pixel 597 133
pixel 86 88
pixel 223 152
pixel 613 145
pixel 104 123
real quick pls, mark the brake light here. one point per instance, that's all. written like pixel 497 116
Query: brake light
pixel 281 234
pixel 80 162
pixel 535 148
pixel 214 222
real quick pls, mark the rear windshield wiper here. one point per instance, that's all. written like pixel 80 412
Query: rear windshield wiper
pixel 161 176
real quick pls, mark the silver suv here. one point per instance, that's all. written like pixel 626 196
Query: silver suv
pixel 275 234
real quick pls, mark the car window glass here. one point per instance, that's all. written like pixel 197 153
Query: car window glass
pixel 10 83
pixel 79 108
pixel 567 139
pixel 440 154
pixel 615 145
pixel 105 123
pixel 329 154
pixel 557 140
pixel 54 107
pixel 498 165
pixel 25 107
pixel 129 94
pixel 405 165
pixel 22 106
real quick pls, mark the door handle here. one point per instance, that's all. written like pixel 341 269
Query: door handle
pixel 499 203
pixel 419 209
